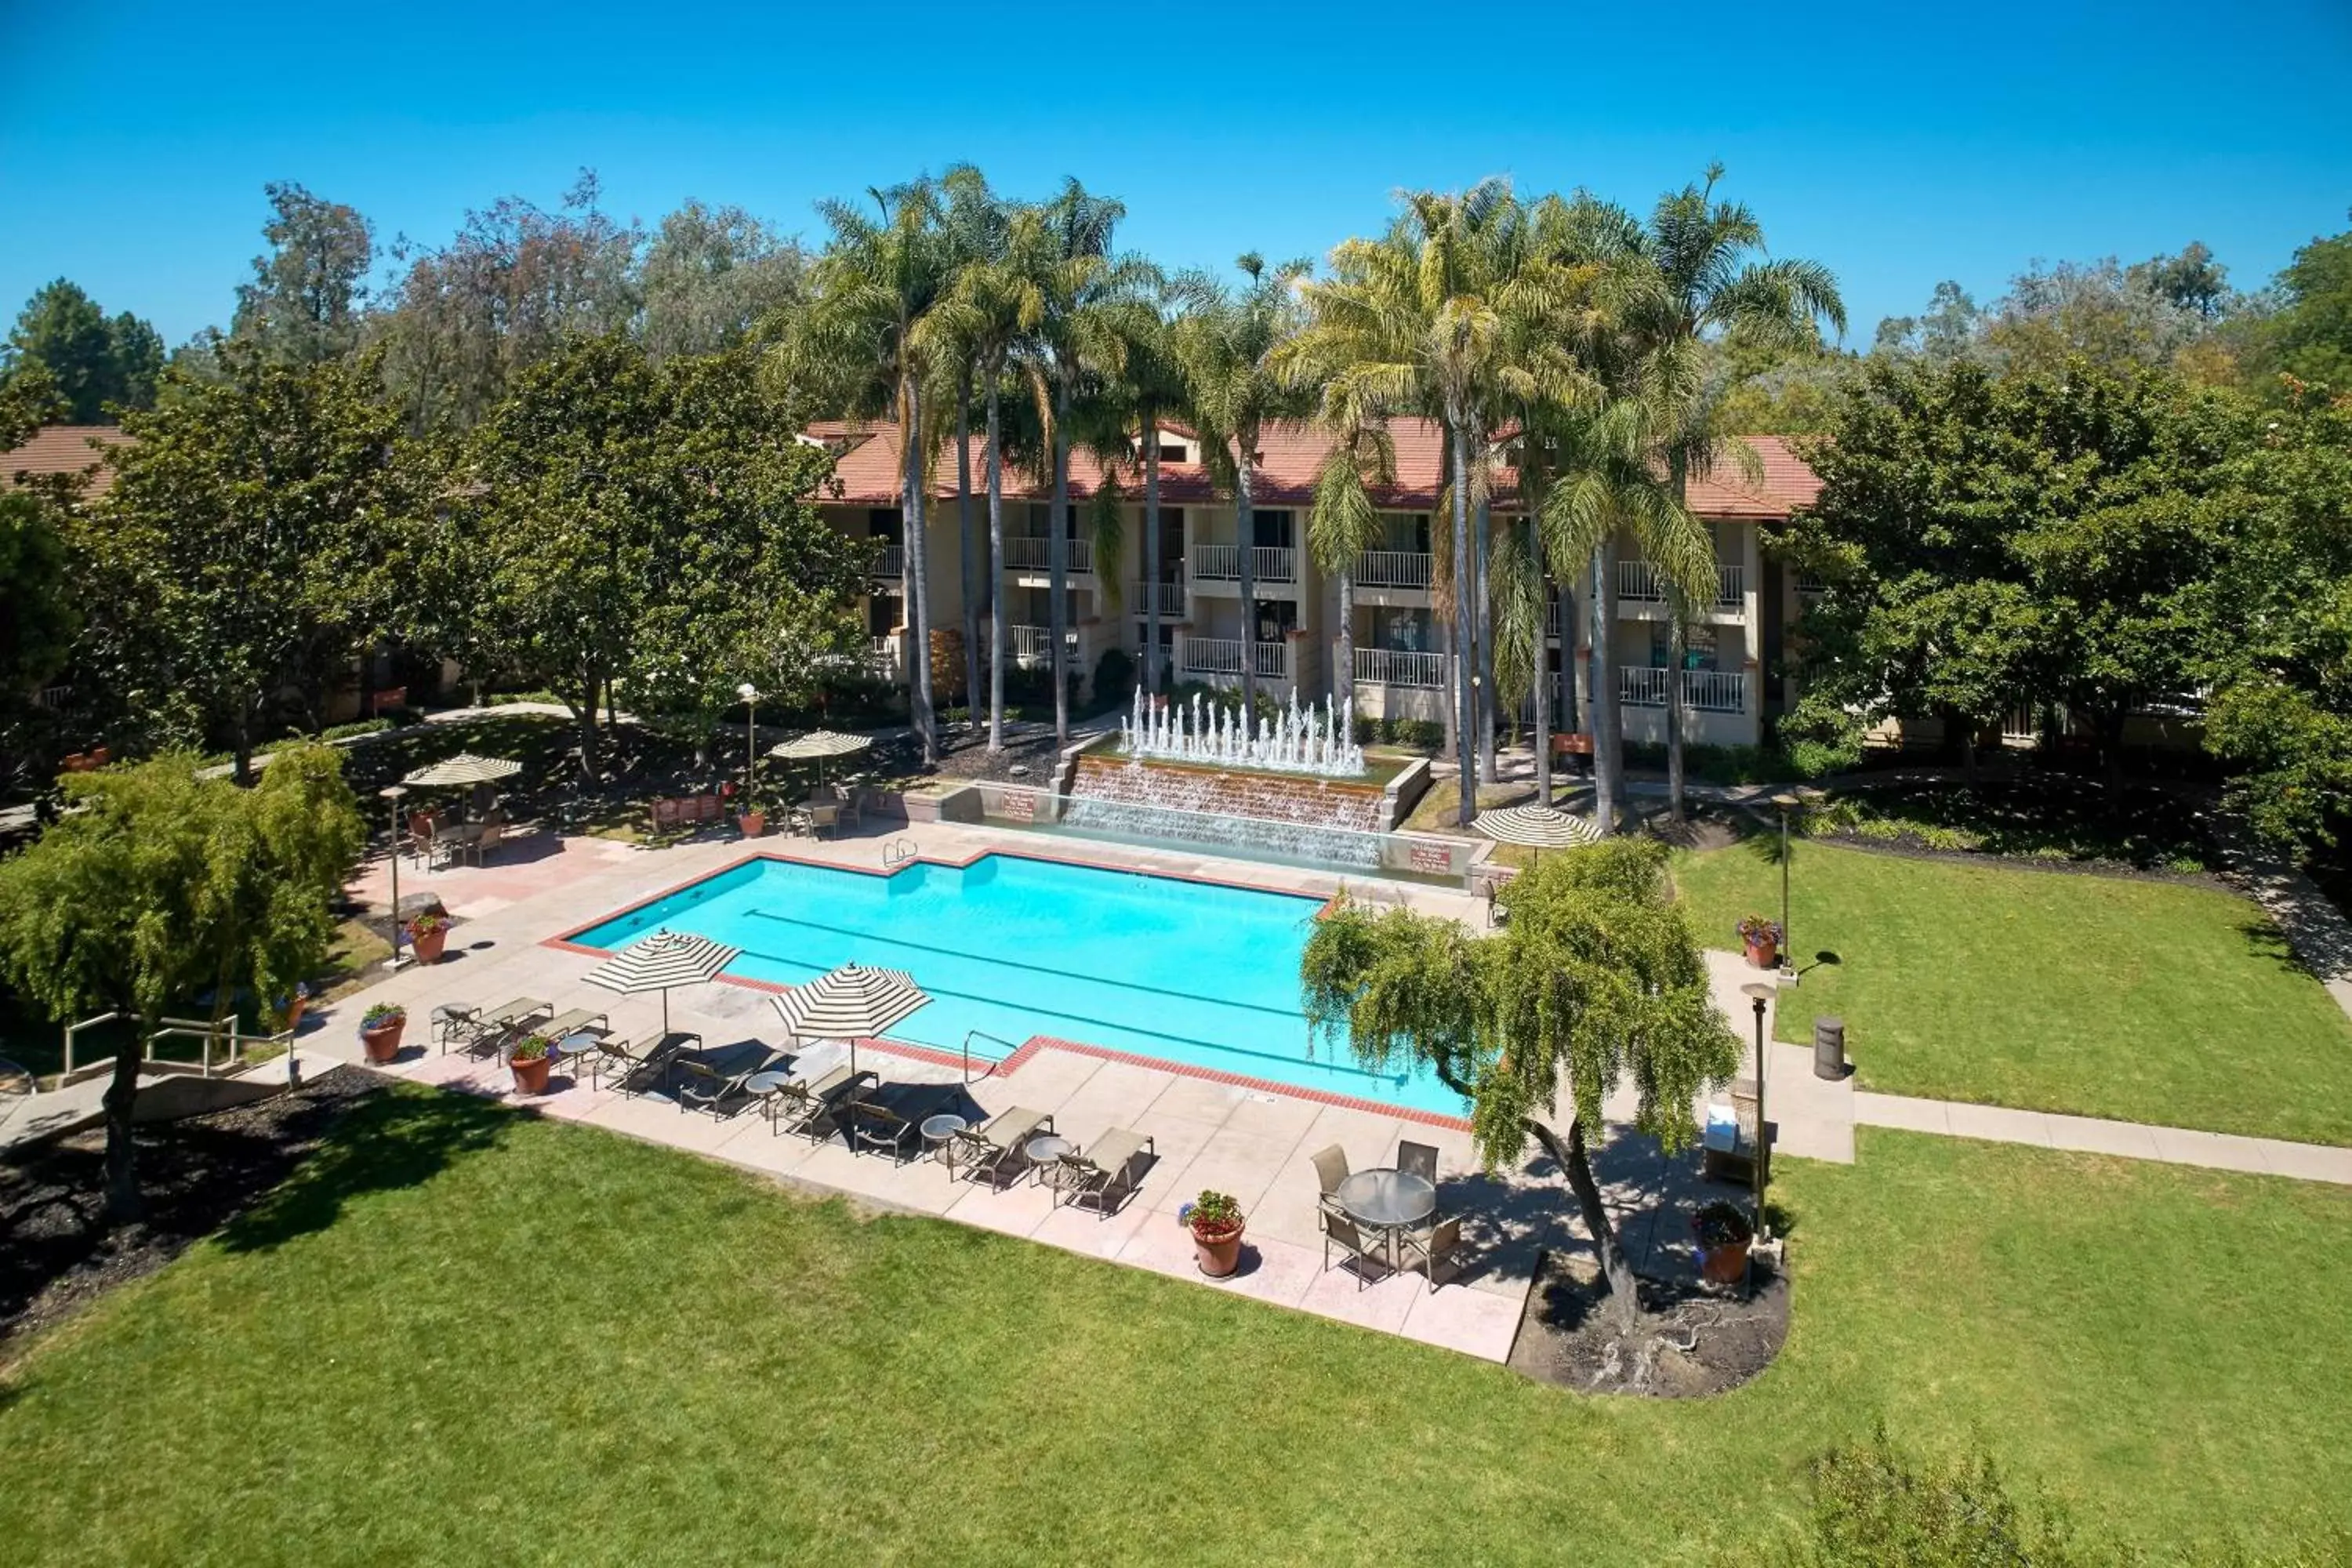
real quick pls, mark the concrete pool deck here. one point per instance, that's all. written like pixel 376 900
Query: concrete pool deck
pixel 1253 1142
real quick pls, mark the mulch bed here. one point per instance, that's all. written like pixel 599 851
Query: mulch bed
pixel 1692 1339
pixel 57 1254
pixel 964 755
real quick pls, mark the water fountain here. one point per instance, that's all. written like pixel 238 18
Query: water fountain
pixel 1299 740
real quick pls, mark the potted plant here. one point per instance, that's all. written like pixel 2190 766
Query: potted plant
pixel 290 1008
pixel 428 933
pixel 530 1061
pixel 753 818
pixel 1216 1221
pixel 1763 939
pixel 380 1029
pixel 1724 1235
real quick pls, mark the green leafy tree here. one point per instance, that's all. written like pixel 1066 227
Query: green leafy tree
pixel 308 294
pixel 1596 979
pixel 160 886
pixel 36 575
pixel 2309 335
pixel 711 277
pixel 242 550
pixel 93 364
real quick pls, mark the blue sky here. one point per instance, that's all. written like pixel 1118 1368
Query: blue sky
pixel 1952 143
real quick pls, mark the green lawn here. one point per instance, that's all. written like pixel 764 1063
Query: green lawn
pixel 463 1335
pixel 2105 996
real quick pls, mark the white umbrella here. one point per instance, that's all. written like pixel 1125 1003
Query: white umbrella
pixel 1539 827
pixel 819 745
pixel 661 961
pixel 465 768
pixel 849 1003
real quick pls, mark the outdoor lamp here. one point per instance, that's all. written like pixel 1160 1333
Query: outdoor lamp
pixel 1786 802
pixel 1758 993
pixel 393 795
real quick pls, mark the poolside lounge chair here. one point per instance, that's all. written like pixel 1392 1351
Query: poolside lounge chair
pixel 1434 1247
pixel 1000 1144
pixel 1340 1232
pixel 869 1125
pixel 490 1030
pixel 812 1109
pixel 1107 1172
pixel 629 1061
pixel 701 1087
pixel 1418 1160
pixel 1331 1170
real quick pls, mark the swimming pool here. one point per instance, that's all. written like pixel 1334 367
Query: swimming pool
pixel 1195 975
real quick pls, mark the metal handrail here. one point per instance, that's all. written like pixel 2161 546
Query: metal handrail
pixel 897 852
pixel 202 1029
pixel 971 1034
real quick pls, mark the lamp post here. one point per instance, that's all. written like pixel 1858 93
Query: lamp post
pixel 394 794
pixel 1758 993
pixel 750 696
pixel 1786 802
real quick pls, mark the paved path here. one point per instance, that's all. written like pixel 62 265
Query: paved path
pixel 2172 1146
pixel 2314 927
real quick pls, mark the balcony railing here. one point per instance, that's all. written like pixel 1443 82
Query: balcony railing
pixel 1704 690
pixel 1172 596
pixel 1223 656
pixel 1030 643
pixel 1641 583
pixel 1027 552
pixel 1400 667
pixel 890 561
pixel 1393 569
pixel 882 654
pixel 1222 563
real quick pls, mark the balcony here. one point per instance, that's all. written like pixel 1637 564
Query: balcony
pixel 1704 690
pixel 1030 643
pixel 882 654
pixel 1400 667
pixel 1641 583
pixel 1393 569
pixel 1027 553
pixel 1171 597
pixel 889 561
pixel 1223 563
pixel 1222 656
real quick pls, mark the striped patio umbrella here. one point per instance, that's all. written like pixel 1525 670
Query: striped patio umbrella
pixel 819 745
pixel 661 961
pixel 851 1003
pixel 465 768
pixel 1539 827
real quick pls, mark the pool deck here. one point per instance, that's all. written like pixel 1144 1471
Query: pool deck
pixel 1253 1142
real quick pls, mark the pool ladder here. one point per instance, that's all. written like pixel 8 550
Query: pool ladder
pixel 897 852
pixel 971 1034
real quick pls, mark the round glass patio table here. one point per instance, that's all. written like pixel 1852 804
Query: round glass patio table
pixel 938 1134
pixel 1388 1199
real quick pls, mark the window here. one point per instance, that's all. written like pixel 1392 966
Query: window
pixel 1404 631
pixel 884 522
pixel 1270 529
pixel 1276 619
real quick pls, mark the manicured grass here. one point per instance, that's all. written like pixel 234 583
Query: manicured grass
pixel 2100 996
pixel 466 1336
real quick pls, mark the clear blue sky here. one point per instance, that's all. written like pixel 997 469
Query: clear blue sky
pixel 1952 143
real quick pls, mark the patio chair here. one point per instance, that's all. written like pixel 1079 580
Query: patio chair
pixel 1107 1172
pixel 624 1060
pixel 876 1127
pixel 492 1029
pixel 1341 1232
pixel 701 1087
pixel 998 1145
pixel 1331 1170
pixel 1434 1247
pixel 485 839
pixel 453 1022
pixel 1418 1160
pixel 811 1110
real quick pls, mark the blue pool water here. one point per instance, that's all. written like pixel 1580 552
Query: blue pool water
pixel 1187 972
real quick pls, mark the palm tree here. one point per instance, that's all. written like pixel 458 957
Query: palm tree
pixel 868 339
pixel 1148 389
pixel 977 223
pixel 1695 283
pixel 1228 345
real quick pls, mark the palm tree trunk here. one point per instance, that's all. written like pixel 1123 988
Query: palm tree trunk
pixel 1674 636
pixel 1464 660
pixel 971 579
pixel 1484 632
pixel 919 608
pixel 1543 665
pixel 1151 670
pixel 1245 550
pixel 1057 554
pixel 1601 701
pixel 995 567
pixel 1344 687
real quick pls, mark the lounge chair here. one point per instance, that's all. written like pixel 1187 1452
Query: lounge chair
pixel 878 1127
pixel 490 1030
pixel 1340 1232
pixel 1331 1170
pixel 700 1085
pixel 1434 1247
pixel 812 1108
pixel 1418 1160
pixel 1106 1172
pixel 628 1060
pixel 1000 1143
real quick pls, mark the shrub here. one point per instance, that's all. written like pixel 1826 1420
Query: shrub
pixel 1876 1506
pixel 1214 1212
pixel 357 727
pixel 532 1048
pixel 383 1013
pixel 1114 679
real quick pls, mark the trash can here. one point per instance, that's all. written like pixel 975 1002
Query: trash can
pixel 1829 1048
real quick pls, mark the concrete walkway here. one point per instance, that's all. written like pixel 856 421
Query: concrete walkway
pixel 2133 1140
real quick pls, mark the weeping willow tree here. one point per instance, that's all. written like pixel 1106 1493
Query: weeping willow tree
pixel 1595 978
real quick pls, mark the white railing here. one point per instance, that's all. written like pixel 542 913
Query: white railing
pixel 1641 583
pixel 882 654
pixel 1393 569
pixel 1400 667
pixel 1222 563
pixel 1030 643
pixel 1704 690
pixel 1027 552
pixel 54 698
pixel 1223 656
pixel 1551 618
pixel 890 562
pixel 1172 596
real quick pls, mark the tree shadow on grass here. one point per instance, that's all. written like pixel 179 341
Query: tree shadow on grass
pixel 2267 943
pixel 392 1140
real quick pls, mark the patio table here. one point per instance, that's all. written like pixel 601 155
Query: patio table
pixel 763 1088
pixel 1388 1200
pixel 1044 1154
pixel 938 1134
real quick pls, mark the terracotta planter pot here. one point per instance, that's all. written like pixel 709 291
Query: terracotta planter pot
pixel 1764 952
pixel 530 1076
pixel 1220 1250
pixel 428 944
pixel 383 1042
pixel 754 823
pixel 294 1014
pixel 1724 1265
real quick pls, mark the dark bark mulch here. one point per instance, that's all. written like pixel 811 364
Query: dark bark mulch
pixel 1692 1339
pixel 56 1252
pixel 965 756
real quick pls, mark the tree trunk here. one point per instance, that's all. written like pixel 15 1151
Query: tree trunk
pixel 1057 554
pixel 1600 701
pixel 995 567
pixel 123 1203
pixel 1968 728
pixel 1344 687
pixel 918 606
pixel 1245 553
pixel 588 747
pixel 1543 666
pixel 970 545
pixel 1483 626
pixel 1464 657
pixel 1674 713
pixel 243 769
pixel 1153 676
pixel 1570 1155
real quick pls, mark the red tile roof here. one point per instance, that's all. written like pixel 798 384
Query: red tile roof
pixel 869 473
pixel 65 450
